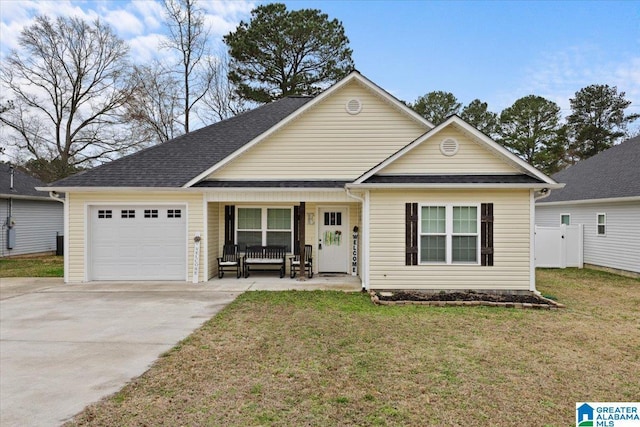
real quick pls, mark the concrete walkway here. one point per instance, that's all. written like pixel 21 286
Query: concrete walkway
pixel 63 347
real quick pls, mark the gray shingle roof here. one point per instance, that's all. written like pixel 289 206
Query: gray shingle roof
pixel 452 179
pixel 23 183
pixel 610 174
pixel 176 162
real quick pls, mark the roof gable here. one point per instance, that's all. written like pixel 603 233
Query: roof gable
pixel 353 79
pixel 501 161
pixel 450 151
pixel 326 141
pixel 613 173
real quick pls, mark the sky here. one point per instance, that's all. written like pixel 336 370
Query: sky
pixel 496 51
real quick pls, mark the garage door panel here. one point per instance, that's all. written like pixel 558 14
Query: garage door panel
pixel 138 243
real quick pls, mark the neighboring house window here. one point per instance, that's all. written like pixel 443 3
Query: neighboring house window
pixel 264 226
pixel 449 234
pixel 602 224
pixel 565 219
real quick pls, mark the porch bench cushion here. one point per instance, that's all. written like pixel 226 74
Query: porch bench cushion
pixel 262 261
pixel 264 256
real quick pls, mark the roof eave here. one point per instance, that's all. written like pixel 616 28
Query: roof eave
pixel 534 186
pixel 34 198
pixel 590 201
pixel 96 189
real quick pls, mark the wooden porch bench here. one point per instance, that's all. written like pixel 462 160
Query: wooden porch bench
pixel 259 257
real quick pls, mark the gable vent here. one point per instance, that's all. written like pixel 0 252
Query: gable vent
pixel 449 147
pixel 354 106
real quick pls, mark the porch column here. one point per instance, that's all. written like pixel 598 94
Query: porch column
pixel 301 239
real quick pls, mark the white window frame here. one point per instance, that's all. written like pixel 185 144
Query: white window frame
pixel 449 233
pixel 604 224
pixel 565 214
pixel 263 222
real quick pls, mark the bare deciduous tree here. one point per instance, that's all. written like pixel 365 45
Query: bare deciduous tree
pixel 221 100
pixel 188 35
pixel 155 105
pixel 68 83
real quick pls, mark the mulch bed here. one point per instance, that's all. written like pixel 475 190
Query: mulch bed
pixel 467 298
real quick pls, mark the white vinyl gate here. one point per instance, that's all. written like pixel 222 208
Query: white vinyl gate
pixel 559 247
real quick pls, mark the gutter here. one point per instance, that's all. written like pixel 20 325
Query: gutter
pixel 540 186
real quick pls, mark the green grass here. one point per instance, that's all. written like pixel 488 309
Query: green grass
pixel 331 358
pixel 43 266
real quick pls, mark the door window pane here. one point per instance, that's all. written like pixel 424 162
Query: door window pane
pixel 565 219
pixel 333 218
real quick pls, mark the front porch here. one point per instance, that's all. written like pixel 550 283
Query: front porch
pixel 269 282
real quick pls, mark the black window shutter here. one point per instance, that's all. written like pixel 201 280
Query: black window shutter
pixel 296 229
pixel 486 237
pixel 411 236
pixel 229 224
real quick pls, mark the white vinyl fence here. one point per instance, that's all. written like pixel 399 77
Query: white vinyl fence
pixel 559 247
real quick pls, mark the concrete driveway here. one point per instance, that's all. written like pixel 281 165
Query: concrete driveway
pixel 65 346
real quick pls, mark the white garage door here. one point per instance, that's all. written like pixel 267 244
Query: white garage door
pixel 137 243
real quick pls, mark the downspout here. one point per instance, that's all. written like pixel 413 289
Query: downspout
pixel 535 195
pixel 56 196
pixel 364 268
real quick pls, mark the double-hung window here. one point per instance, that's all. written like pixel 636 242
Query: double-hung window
pixel 602 224
pixel 449 234
pixel 264 226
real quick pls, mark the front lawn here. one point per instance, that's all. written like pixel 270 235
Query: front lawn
pixel 330 358
pixel 42 266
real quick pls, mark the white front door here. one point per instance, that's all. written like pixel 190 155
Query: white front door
pixel 333 240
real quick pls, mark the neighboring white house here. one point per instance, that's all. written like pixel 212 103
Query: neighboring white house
pixel 603 194
pixel 372 187
pixel 30 219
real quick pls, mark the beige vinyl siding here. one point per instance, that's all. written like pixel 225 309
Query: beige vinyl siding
pixel 214 240
pixel 619 248
pixel 326 142
pixel 426 158
pixel 511 270
pixel 78 206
